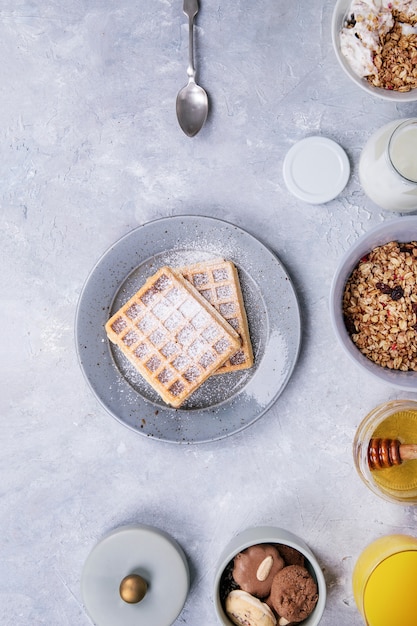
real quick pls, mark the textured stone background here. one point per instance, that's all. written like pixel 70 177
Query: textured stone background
pixel 89 149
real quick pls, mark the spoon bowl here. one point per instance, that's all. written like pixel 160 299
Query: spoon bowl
pixel 192 101
pixel 192 108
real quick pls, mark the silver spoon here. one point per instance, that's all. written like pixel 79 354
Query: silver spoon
pixel 192 101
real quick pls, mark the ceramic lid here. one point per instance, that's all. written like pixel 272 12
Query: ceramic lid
pixel 143 551
pixel 316 169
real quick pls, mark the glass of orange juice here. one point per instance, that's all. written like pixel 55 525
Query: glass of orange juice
pixel 384 581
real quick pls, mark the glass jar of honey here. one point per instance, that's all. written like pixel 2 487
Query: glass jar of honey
pixel 384 448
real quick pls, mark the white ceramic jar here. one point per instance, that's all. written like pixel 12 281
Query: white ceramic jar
pixel 388 166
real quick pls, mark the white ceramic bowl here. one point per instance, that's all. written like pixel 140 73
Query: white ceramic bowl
pixel 403 229
pixel 270 534
pixel 341 10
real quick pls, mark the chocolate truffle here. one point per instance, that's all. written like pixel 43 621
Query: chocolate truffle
pixel 255 568
pixel 290 555
pixel 293 593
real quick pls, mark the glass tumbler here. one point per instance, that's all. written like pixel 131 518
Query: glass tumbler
pixel 384 581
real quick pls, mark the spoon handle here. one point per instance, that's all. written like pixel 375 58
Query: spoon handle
pixel 190 8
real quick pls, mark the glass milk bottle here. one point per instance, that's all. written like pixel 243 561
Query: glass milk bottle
pixel 388 166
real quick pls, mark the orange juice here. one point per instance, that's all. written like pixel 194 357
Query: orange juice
pixel 384 581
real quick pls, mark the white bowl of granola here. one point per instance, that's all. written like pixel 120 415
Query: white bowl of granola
pixel 373 302
pixel 375 43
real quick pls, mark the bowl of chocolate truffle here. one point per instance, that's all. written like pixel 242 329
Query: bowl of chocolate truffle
pixel 268 576
pixel 373 302
pixel 376 45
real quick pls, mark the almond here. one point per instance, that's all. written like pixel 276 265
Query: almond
pixel 264 568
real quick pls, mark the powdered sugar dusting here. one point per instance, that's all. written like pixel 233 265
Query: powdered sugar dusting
pixel 224 386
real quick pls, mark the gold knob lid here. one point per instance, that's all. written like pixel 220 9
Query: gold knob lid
pixel 113 589
pixel 133 588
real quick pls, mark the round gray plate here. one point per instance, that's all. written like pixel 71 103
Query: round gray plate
pixel 225 403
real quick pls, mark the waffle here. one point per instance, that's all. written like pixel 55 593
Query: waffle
pixel 173 337
pixel 217 280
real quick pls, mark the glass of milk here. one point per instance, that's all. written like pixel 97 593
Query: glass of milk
pixel 388 166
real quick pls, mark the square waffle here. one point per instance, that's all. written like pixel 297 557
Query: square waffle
pixel 173 337
pixel 217 280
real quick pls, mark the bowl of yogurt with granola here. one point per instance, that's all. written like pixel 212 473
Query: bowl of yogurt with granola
pixel 375 42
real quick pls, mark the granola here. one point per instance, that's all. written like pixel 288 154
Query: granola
pixel 396 62
pixel 380 305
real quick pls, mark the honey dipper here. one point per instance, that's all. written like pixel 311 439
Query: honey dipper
pixel 384 453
